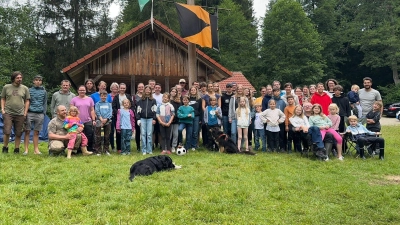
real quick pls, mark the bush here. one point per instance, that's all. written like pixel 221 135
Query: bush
pixel 390 93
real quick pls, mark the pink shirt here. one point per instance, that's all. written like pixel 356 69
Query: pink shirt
pixel 84 105
pixel 335 121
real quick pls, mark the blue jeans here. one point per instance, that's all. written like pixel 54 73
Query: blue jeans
pixel 146 131
pixel 189 132
pixel 234 130
pixel 195 134
pixel 226 125
pixel 260 133
pixel 126 135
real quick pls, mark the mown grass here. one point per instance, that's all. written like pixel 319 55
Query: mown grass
pixel 211 188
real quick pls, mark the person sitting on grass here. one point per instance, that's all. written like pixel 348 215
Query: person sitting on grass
pixel 72 123
pixel 364 136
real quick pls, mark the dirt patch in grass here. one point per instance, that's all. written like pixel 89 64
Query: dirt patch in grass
pixel 392 179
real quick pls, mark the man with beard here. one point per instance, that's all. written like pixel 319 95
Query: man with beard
pixel 58 135
pixel 14 107
pixel 368 96
pixel 61 97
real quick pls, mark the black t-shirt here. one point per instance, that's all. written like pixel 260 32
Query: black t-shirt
pixel 225 103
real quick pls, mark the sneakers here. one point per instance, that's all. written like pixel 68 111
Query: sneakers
pixel 169 152
pixel 5 149
pixel 16 150
pixel 164 152
pixel 341 158
pixel 173 149
pixel 144 153
pixel 193 149
pixel 107 153
pixel 25 153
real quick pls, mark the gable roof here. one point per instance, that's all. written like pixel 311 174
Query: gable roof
pixel 237 78
pixel 117 41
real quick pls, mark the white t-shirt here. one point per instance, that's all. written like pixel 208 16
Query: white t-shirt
pixel 367 99
pixel 158 98
pixel 258 124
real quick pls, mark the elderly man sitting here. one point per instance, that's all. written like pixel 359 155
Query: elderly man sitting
pixel 58 135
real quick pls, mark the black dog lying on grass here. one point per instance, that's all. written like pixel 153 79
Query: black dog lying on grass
pixel 225 143
pixel 148 166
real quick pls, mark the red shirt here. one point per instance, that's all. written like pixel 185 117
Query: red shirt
pixel 323 99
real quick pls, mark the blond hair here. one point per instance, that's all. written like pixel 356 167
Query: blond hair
pixel 355 86
pixel 353 117
pixel 302 112
pixel 239 109
pixel 333 105
pixel 73 109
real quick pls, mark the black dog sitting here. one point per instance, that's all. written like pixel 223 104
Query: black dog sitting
pixel 150 165
pixel 225 143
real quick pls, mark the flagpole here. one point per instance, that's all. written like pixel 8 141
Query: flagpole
pixel 191 58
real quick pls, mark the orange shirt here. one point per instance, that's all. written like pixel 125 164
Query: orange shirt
pixel 289 112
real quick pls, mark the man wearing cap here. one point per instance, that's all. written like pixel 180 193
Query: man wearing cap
pixel 182 82
pixel 225 99
pixel 14 107
pixel 234 87
pixel 36 111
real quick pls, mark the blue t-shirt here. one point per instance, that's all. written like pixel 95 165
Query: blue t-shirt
pixel 212 118
pixel 125 119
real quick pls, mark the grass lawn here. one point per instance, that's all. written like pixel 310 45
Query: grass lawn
pixel 211 188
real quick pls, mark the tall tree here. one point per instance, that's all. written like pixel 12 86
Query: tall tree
pixel 291 48
pixel 377 34
pixel 73 29
pixel 18 46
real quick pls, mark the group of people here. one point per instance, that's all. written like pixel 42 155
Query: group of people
pixel 279 120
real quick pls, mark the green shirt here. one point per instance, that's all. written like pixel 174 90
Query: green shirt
pixel 15 98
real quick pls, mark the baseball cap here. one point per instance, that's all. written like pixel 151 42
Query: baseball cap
pixel 38 77
pixel 228 85
pixel 182 81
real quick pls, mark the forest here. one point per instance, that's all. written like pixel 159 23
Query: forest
pixel 298 41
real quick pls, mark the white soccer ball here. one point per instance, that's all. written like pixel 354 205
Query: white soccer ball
pixel 181 151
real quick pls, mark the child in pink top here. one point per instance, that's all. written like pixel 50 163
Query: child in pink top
pixel 72 123
pixel 334 116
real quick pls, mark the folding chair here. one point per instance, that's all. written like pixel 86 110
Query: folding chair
pixel 353 148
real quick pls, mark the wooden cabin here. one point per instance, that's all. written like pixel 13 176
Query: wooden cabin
pixel 142 54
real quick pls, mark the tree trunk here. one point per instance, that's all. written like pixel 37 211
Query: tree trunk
pixel 395 71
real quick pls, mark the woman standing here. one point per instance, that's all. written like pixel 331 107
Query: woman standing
pixel 114 87
pixel 136 99
pixel 87 115
pixel 96 96
pixel 204 104
pixel 146 118
pixel 250 128
pixel 176 102
pixel 299 92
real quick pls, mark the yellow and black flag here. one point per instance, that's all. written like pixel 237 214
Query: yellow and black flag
pixel 198 26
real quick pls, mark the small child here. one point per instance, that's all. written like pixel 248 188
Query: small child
pixel 165 115
pixel 72 123
pixel 243 121
pixel 355 99
pixel 103 111
pixel 186 115
pixel 289 112
pixel 334 116
pixel 259 130
pixel 373 117
pixel 272 117
pixel 212 116
pixel 125 126
pixel 361 134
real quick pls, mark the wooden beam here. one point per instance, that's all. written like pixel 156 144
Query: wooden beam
pixel 133 85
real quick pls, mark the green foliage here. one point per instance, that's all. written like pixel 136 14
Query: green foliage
pixel 390 93
pixel 18 47
pixel 211 188
pixel 291 47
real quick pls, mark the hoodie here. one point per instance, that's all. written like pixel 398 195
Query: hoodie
pixel 323 99
pixel 343 103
